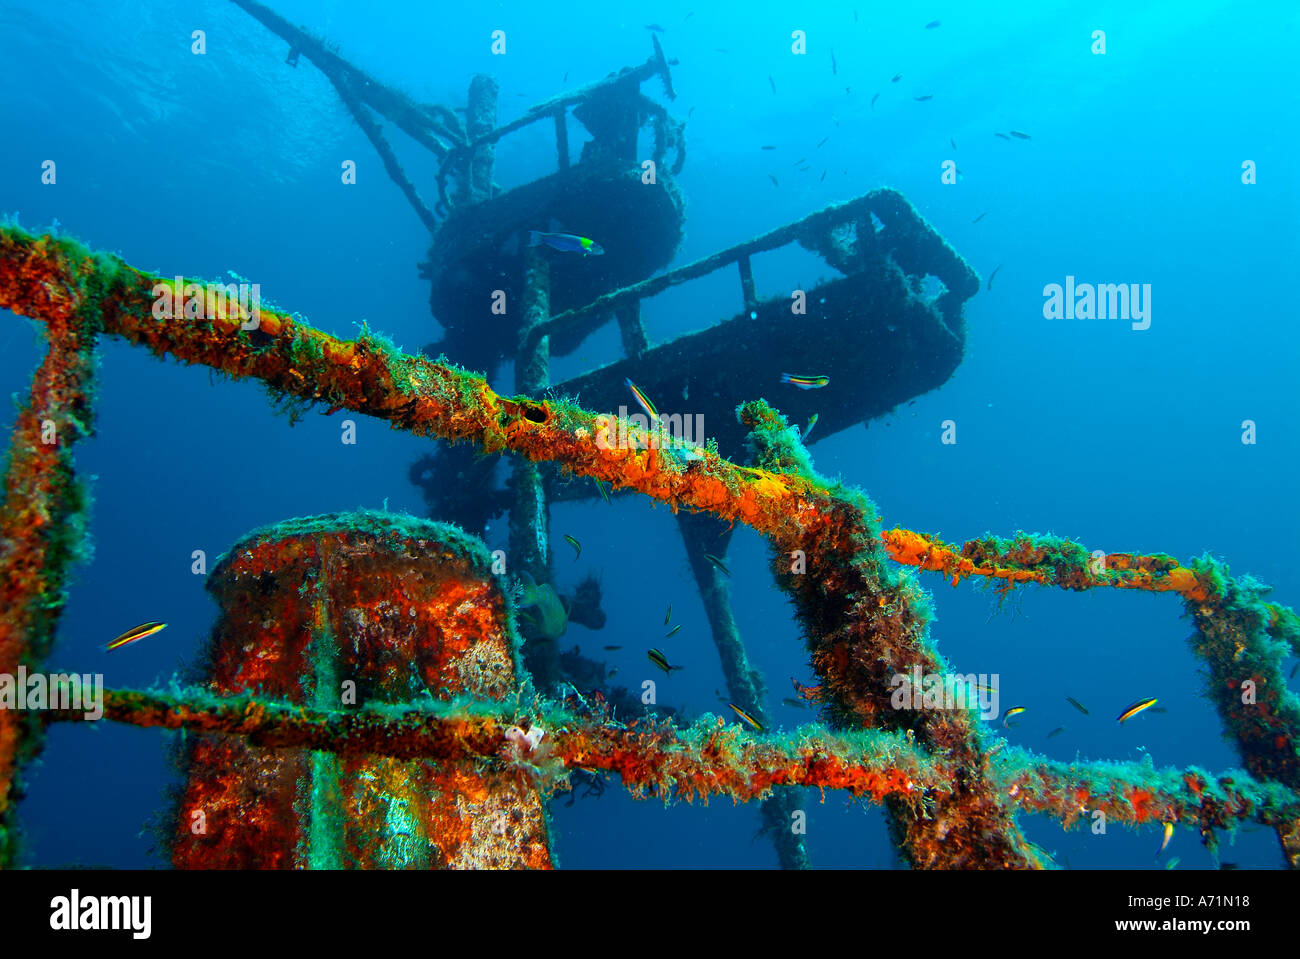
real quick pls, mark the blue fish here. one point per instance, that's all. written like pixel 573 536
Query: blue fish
pixel 566 242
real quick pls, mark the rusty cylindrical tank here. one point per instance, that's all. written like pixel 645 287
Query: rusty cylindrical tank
pixel 341 611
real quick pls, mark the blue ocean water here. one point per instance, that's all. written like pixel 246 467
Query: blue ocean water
pixel 1125 440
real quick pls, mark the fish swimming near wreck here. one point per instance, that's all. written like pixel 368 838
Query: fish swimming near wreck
pixel 135 634
pixel 805 382
pixel 1134 708
pixel 659 659
pixel 565 243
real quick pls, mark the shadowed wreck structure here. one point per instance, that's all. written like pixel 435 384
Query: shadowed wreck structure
pixel 465 713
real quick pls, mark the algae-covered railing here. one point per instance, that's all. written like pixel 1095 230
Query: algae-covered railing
pixel 817 231
pixel 950 789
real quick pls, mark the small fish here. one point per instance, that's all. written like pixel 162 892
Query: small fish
pixel 873 100
pixel 135 634
pixel 823 140
pixel 654 27
pixel 823 177
pixel 805 382
pixel 811 423
pixel 1013 711
pixel 772 82
pixel 613 672
pixel 773 179
pixel 1293 669
pixel 746 717
pixel 566 77
pixel 897 77
pixel 644 400
pixel 1077 705
pixel 924 97
pixel 603 494
pixel 660 660
pixel 1056 732
pixel 1023 136
pixel 1173 863
pixel 834 69
pixel 1164 843
pixel 794 703
pixel 565 242
pixel 717 562
pixel 932 24
pixel 1159 709
pixel 1136 708
pixel 993 274
pixel 673 632
pixel 1002 135
pixel 952 142
pixel 610 649
pixel 668 615
pixel 577 547
pixel 980 217
pixel 800 160
pixel 767 146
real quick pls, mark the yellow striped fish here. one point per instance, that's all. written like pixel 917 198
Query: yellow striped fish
pixel 805 382
pixel 644 400
pixel 135 634
pixel 1137 707
pixel 1164 843
pixel 746 717
pixel 660 660
pixel 1013 711
pixel 577 547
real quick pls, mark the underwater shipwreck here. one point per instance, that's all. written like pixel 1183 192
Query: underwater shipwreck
pixel 460 714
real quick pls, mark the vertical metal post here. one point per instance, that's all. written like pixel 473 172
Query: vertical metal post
pixel 747 284
pixel 530 515
pixel 561 138
pixel 480 119
pixel 632 330
pixel 703 534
